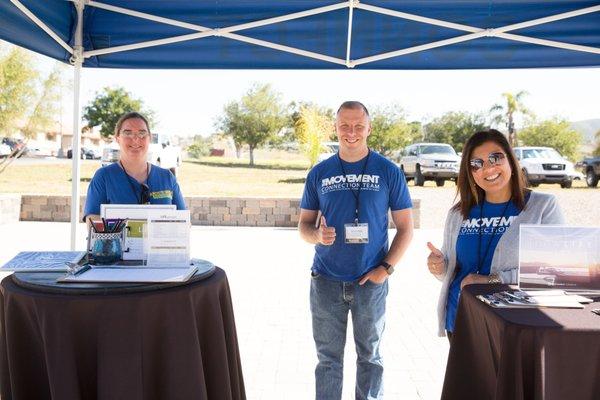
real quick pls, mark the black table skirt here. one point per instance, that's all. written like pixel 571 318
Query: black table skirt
pixel 514 354
pixel 175 343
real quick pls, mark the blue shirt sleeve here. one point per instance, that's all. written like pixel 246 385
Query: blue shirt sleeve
pixel 96 195
pixel 399 195
pixel 177 196
pixel 310 197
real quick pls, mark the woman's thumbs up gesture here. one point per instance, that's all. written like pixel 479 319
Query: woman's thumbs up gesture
pixel 435 261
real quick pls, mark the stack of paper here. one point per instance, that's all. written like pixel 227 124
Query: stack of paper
pixel 533 299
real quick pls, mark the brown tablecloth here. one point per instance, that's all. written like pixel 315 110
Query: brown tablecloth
pixel 513 354
pixel 176 343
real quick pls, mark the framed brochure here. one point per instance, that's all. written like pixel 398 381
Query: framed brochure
pixel 559 257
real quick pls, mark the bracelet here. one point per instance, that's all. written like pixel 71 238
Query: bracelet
pixel 494 279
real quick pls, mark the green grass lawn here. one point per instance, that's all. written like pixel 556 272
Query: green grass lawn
pixel 211 176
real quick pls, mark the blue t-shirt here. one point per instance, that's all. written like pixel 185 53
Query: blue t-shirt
pixel 329 190
pixel 468 248
pixel 111 185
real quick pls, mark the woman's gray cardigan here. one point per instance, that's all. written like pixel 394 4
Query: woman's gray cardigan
pixel 541 208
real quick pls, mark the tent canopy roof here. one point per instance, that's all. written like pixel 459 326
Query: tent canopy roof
pixel 312 34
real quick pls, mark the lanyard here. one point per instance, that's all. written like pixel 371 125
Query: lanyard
pixel 129 179
pixel 357 193
pixel 479 259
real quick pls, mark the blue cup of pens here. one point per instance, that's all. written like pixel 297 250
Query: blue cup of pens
pixel 107 235
pixel 107 248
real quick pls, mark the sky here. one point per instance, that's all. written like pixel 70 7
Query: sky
pixel 188 102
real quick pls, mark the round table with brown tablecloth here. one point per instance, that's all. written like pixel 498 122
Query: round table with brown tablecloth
pixel 174 341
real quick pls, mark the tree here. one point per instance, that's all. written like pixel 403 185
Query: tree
pixel 555 133
pixel 313 126
pixel 506 113
pixel 454 128
pixel 17 88
pixel 390 131
pixel 108 105
pixel 254 120
pixel 43 115
pixel 597 150
pixel 200 147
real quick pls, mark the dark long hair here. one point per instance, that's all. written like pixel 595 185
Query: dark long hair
pixel 469 193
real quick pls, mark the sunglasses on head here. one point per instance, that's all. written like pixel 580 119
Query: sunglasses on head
pixel 145 195
pixel 493 158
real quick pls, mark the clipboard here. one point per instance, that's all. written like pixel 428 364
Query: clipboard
pixel 133 273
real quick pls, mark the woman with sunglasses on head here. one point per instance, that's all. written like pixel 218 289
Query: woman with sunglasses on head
pixel 481 235
pixel 132 180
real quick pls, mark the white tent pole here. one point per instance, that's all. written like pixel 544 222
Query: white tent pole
pixel 77 61
pixel 195 27
pixel 349 41
pixel 42 25
pixel 549 43
pixel 221 32
pixel 422 47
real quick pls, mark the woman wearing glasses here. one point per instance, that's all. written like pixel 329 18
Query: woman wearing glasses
pixel 481 235
pixel 132 180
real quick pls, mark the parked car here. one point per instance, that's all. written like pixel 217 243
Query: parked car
pixel 330 148
pixel 5 150
pixel 590 166
pixel 13 144
pixel 429 162
pixel 545 165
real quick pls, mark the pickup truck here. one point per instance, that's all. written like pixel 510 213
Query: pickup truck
pixel 545 165
pixel 429 162
pixel 590 166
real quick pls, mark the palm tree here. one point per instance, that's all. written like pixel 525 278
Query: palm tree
pixel 505 113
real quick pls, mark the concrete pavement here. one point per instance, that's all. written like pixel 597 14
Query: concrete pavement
pixel 268 270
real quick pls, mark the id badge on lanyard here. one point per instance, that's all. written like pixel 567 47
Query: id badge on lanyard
pixel 356 233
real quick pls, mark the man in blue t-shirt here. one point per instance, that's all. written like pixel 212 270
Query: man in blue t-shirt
pixel 344 212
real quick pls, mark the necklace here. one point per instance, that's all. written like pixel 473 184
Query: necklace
pixel 130 179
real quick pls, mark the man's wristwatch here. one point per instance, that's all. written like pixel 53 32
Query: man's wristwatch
pixel 494 279
pixel 389 268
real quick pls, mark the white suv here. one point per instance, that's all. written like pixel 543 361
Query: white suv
pixel 429 161
pixel 545 165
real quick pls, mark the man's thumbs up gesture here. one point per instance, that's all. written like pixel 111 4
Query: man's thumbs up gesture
pixel 325 234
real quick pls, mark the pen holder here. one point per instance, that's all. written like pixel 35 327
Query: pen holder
pixel 107 248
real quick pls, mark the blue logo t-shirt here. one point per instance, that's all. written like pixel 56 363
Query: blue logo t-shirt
pixel 492 221
pixel 110 185
pixel 330 190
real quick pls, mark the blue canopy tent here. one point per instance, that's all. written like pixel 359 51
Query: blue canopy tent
pixel 302 34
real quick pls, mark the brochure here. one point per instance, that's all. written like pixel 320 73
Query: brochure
pixel 559 257
pixel 43 261
pixel 167 238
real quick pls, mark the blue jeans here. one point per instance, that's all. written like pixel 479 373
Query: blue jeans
pixel 330 302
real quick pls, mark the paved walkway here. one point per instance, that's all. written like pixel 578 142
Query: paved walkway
pixel 268 270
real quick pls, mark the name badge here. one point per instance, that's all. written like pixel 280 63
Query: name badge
pixel 356 233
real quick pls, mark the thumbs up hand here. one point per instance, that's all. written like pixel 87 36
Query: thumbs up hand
pixel 325 234
pixel 435 261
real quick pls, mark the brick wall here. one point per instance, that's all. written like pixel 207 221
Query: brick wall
pixel 222 211
pixel 10 205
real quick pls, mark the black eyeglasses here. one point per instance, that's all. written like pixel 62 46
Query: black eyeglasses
pixel 493 158
pixel 145 195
